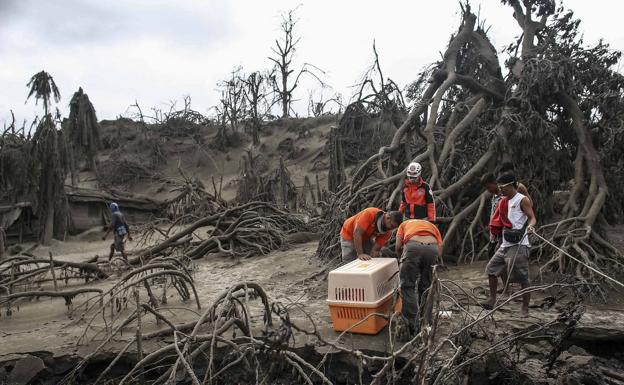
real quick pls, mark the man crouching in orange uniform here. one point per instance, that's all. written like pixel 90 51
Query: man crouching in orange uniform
pixel 419 243
pixel 363 235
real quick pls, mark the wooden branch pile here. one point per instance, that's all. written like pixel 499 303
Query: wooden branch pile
pixel 27 272
pixel 243 231
pixel 164 274
pixel 227 343
pixel 193 201
pixel 23 277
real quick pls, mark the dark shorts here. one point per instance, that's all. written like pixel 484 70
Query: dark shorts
pixel 348 249
pixel 514 260
pixel 118 242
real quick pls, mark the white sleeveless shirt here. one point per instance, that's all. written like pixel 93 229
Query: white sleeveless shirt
pixel 517 217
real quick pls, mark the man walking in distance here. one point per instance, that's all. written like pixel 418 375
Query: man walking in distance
pixel 363 235
pixel 120 229
pixel 417 197
pixel 515 219
pixel 419 243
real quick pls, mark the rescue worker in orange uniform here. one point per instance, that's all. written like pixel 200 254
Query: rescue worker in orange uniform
pixel 363 235
pixel 418 243
pixel 417 198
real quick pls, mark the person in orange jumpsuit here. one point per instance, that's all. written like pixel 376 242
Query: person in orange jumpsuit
pixel 417 197
pixel 418 243
pixel 363 235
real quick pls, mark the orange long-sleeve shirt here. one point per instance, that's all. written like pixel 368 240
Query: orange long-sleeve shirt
pixel 367 221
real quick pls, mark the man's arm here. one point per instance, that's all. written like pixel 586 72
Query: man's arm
pixel 108 230
pixel 527 208
pixel 523 190
pixel 398 247
pixel 358 242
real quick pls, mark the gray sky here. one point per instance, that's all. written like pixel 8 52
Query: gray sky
pixel 155 51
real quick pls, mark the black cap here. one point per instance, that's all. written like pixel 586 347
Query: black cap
pixel 506 179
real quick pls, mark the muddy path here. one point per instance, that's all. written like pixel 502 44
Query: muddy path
pixel 42 334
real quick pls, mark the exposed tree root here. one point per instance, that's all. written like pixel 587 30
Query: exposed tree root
pixel 465 118
pixel 433 356
pixel 249 229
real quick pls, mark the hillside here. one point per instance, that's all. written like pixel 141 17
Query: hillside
pixel 143 158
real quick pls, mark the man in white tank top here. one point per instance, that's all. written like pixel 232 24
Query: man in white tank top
pixel 516 214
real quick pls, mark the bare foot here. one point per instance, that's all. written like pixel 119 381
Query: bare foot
pixel 524 313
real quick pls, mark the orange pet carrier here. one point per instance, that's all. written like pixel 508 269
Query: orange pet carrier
pixel 361 288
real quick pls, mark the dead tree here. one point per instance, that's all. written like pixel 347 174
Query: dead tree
pixel 284 79
pixel 233 98
pixel 17 179
pixel 336 176
pixel 548 115
pixel 50 162
pixel 373 117
pixel 246 230
pixel 42 86
pixel 231 109
pixel 308 190
pixel 318 107
pixel 192 200
pixel 83 128
pixel 255 94
pixel 274 186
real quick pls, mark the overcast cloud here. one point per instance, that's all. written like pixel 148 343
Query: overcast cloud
pixel 155 51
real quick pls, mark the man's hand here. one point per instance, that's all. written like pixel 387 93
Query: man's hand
pixel 130 238
pixel 104 238
pixel 364 257
pixel 531 229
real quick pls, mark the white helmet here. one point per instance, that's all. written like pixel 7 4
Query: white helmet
pixel 413 170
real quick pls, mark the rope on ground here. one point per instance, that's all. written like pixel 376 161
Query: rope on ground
pixel 579 261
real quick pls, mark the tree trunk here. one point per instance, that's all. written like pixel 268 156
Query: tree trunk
pixel 256 124
pixel 285 94
pixel 318 188
pixel 2 242
pixel 48 229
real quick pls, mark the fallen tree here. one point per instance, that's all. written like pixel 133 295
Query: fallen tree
pixel 243 231
pixel 23 273
pixel 548 114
